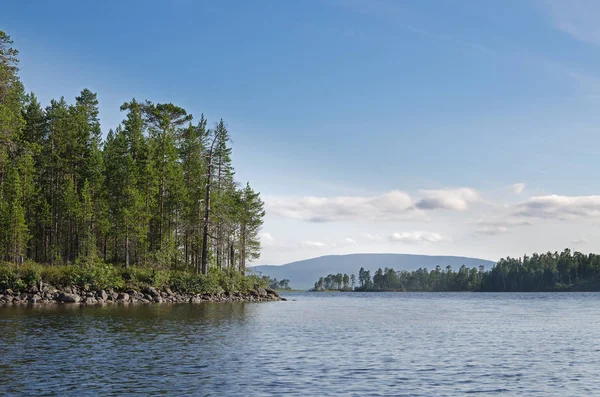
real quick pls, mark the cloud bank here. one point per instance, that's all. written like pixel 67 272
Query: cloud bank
pixel 391 206
pixel 559 207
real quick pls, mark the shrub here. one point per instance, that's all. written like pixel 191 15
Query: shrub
pixel 195 283
pixel 139 277
pixel 95 274
pixel 58 276
pixel 98 275
pixel 9 278
pixel 30 273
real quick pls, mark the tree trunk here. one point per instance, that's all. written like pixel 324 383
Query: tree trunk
pixel 207 211
pixel 127 248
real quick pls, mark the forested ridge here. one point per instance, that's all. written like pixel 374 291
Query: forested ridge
pixel 159 190
pixel 552 271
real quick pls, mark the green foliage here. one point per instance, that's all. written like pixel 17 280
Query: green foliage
pixel 140 277
pixel 10 278
pixel 195 283
pixel 141 198
pixel 96 275
pixel 19 277
pixel 276 284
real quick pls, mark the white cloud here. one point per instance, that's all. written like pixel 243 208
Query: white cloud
pixel 417 237
pixel 393 205
pixel 580 241
pixel 577 18
pixel 559 207
pixel 493 227
pixel 517 188
pixel 350 240
pixel 313 244
pixel 451 199
pixel 266 239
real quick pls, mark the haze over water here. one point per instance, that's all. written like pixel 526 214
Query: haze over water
pixel 409 344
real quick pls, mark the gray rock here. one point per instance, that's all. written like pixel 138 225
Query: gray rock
pixel 103 295
pixel 272 292
pixel 35 298
pixel 195 299
pixel 168 291
pixel 115 296
pixel 152 292
pixel 8 298
pixel 144 301
pixel 68 298
pixel 124 296
pixel 90 301
pixel 158 299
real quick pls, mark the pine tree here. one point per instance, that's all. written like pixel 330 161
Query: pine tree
pixel 251 219
pixel 193 156
pixel 11 100
pixel 164 121
pixel 12 217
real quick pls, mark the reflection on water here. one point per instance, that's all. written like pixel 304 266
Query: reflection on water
pixel 321 344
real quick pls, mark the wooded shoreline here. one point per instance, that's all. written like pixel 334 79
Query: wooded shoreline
pixel 95 284
pixel 546 272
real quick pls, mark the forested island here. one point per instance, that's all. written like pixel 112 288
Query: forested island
pixel 564 271
pixel 153 205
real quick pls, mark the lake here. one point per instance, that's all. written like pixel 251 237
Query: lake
pixel 319 344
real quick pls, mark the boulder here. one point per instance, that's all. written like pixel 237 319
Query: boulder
pixel 102 295
pixel 90 301
pixel 168 291
pixel 152 292
pixel 68 298
pixel 272 292
pixel 124 296
pixel 35 298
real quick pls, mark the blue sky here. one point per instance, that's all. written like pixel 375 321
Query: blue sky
pixel 368 125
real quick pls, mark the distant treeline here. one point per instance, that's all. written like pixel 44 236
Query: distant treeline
pixel 538 272
pixel 277 284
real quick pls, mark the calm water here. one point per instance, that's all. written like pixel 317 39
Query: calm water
pixel 319 345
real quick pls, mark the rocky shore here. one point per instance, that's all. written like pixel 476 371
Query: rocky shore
pixel 47 294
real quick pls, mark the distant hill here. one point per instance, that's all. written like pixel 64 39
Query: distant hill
pixel 303 274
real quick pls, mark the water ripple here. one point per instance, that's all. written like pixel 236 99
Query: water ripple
pixel 319 345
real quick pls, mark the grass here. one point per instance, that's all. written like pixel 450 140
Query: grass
pixel 102 276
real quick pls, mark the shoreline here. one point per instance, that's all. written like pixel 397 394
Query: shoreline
pixel 48 294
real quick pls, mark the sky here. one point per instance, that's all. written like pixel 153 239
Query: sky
pixel 442 127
